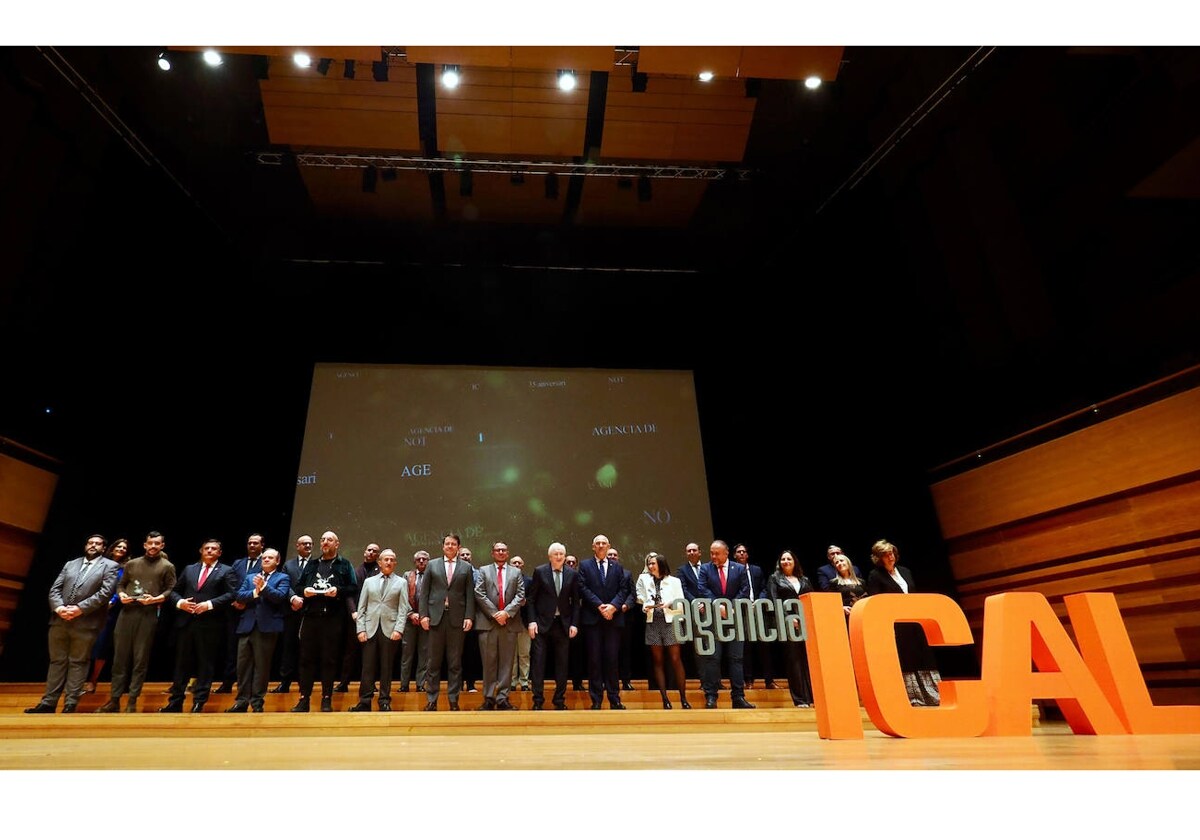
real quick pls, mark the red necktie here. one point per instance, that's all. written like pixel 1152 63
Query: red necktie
pixel 500 584
pixel 721 572
pixel 204 570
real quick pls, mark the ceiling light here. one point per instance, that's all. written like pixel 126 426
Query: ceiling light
pixel 812 82
pixel 450 77
pixel 164 62
pixel 706 75
pixel 212 58
pixel 302 59
pixel 566 79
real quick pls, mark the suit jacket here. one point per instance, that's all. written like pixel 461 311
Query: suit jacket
pixel 94 590
pixel 268 611
pixel 379 613
pixel 342 574
pixel 758 581
pixel 238 569
pixel 487 598
pixel 691 584
pixel 880 582
pixel 614 589
pixel 827 574
pixel 436 591
pixel 670 590
pixel 737 582
pixel 218 588
pixel 541 599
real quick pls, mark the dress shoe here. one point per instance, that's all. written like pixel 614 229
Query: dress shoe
pixel 685 704
pixel 109 707
pixel 255 708
pixel 596 707
pixel 577 686
pixel 131 707
pixel 667 704
pixel 404 689
pixel 489 705
pixel 561 707
pixel 326 703
pixel 197 708
pixel 453 706
pixel 361 706
pixel 224 688
pixel 385 705
pixel 301 705
pixel 342 687
pixel 68 708
pixel 282 688
pixel 239 708
pixel 173 708
pixel 524 688
pixel 431 707
pixel 710 702
pixel 626 685
pixel 471 689
pixel 617 705
pixel 769 683
pixel 40 709
pixel 537 707
pixel 506 706
pixel 742 703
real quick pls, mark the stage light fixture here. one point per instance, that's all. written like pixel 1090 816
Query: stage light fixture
pixel 164 61
pixel 388 174
pixel 516 179
pixel 348 69
pixel 379 71
pixel 450 76
pixel 466 183
pixel 639 81
pixel 644 190
pixel 368 181
pixel 812 82
pixel 551 185
pixel 302 59
pixel 212 58
pixel 566 80
pixel 323 66
pixel 705 76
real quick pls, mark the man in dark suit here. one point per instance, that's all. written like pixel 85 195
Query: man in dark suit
pixel 200 598
pixel 499 596
pixel 414 657
pixel 447 600
pixel 722 579
pixel 264 597
pixel 689 578
pixel 327 581
pixel 757 654
pixel 827 573
pixel 602 588
pixel 552 604
pixel 241 569
pixel 289 660
pixel 519 677
pixel 79 605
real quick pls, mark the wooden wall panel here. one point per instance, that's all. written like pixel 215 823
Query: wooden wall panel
pixel 27 483
pixel 791 62
pixel 1112 508
pixel 25 494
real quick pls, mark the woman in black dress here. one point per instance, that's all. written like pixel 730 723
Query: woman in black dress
pixel 788 581
pixel 921 676
pixel 846 583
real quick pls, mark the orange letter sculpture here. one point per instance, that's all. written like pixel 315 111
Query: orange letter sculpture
pixel 964 710
pixel 835 698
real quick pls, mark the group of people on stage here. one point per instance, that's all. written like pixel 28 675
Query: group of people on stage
pixel 422 617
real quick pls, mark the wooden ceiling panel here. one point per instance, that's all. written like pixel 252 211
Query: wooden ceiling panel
pixel 364 54
pixel 791 62
pixel 337 193
pixel 392 131
pixel 494 198
pixel 630 140
pixel 472 56
pixel 689 61
pixel 711 142
pixel 610 202
pixel 512 113
pixel 579 59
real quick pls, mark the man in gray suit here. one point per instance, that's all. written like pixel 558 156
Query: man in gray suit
pixel 447 609
pixel 380 620
pixel 79 605
pixel 499 596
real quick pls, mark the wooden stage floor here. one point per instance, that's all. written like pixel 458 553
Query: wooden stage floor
pixel 775 736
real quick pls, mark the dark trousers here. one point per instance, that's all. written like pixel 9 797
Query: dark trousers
pixel 351 652
pixel 710 669
pixel 414 658
pixel 446 639
pixel 133 639
pixel 70 653
pixel 255 650
pixel 378 654
pixel 320 647
pixel 799 683
pixel 196 646
pixel 228 655
pixel 603 641
pixel 556 638
pixel 289 659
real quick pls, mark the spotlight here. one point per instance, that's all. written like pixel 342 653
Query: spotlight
pixel 551 185
pixel 450 77
pixel 369 176
pixel 212 58
pixel 812 82
pixel 705 76
pixel 379 71
pixel 302 59
pixel 348 69
pixel 639 82
pixel 566 79
pixel 465 183
pixel 323 66
pixel 164 61
pixel 644 188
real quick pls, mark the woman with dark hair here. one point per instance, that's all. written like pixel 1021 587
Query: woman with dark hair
pixel 103 648
pixel 788 581
pixel 658 591
pixel 846 583
pixel 921 676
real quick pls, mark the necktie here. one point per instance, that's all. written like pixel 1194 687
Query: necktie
pixel 449 577
pixel 558 581
pixel 500 585
pixel 204 570
pixel 249 565
pixel 383 589
pixel 721 572
pixel 603 570
pixel 83 571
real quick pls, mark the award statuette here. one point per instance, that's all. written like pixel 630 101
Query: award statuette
pixel 137 590
pixel 323 584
